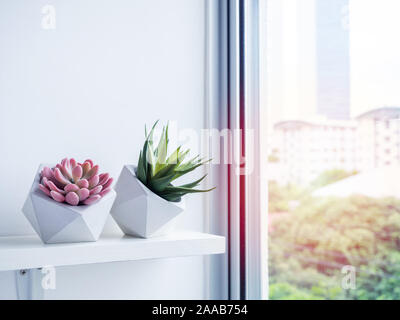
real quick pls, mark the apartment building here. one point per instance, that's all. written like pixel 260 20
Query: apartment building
pixel 304 149
pixel 378 138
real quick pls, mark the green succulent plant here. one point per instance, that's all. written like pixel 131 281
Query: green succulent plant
pixel 157 170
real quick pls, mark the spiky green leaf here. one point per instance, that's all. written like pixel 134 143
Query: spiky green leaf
pixel 162 150
pixel 140 171
pixel 156 170
pixel 194 183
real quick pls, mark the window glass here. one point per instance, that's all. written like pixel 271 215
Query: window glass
pixel 333 76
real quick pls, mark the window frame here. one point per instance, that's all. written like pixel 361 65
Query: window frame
pixel 234 99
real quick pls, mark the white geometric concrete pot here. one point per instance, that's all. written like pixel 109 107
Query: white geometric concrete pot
pixel 140 212
pixel 57 222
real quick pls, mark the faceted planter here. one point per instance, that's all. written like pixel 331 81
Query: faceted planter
pixel 56 222
pixel 139 211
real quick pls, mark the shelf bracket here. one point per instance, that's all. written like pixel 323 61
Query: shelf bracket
pixel 29 284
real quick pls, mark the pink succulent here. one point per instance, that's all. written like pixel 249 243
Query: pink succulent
pixel 75 183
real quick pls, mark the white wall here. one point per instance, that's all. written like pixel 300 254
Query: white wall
pixel 86 89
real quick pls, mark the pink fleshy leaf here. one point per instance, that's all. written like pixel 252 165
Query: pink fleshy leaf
pixel 92 172
pixel 86 167
pixel 83 194
pixel 105 191
pixel 108 183
pixel 67 175
pixel 64 162
pixel 96 190
pixel 60 178
pixel 57 196
pixel 93 181
pixel 71 188
pixel 65 171
pixel 104 178
pixel 92 199
pixel 53 187
pixel 68 164
pixel 72 198
pixel 90 161
pixel 44 189
pixel 72 163
pixel 77 173
pixel 44 181
pixel 58 183
pixel 83 183
pixel 47 172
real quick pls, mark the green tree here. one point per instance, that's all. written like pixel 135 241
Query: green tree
pixel 310 245
pixel 281 196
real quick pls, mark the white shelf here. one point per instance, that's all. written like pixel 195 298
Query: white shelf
pixel 28 252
